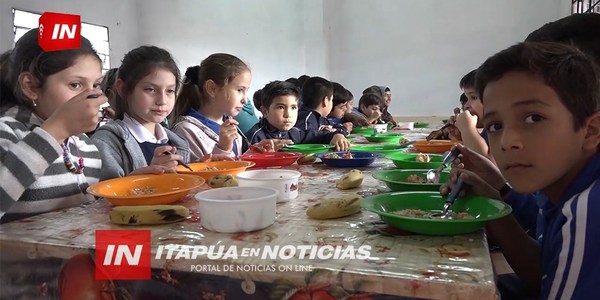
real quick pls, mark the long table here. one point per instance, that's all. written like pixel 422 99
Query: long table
pixel 35 251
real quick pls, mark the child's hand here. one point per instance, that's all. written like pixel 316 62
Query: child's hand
pixel 78 115
pixel 165 156
pixel 480 165
pixel 466 121
pixel 153 169
pixel 326 128
pixel 340 142
pixel 348 126
pixel 228 134
pixel 215 157
pixel 473 185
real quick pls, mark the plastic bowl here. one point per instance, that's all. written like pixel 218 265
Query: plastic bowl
pixel 222 168
pixel 434 146
pixel 360 159
pixel 145 189
pixel 237 209
pixel 272 159
pixel 284 181
pixel 383 149
pixel 390 138
pixel 482 209
pixel 396 180
pixel 381 128
pixel 307 148
pixel 408 161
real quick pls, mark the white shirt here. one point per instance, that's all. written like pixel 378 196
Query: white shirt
pixel 141 134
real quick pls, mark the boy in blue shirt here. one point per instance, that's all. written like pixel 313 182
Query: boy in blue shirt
pixel 542 114
pixel 317 103
pixel 279 106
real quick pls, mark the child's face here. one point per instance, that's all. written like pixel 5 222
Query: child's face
pixel 473 104
pixel 531 134
pixel 84 74
pixel 283 112
pixel 349 105
pixel 153 97
pixel 370 110
pixel 387 98
pixel 232 97
pixel 338 111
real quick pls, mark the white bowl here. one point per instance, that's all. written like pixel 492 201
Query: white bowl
pixel 381 128
pixel 406 125
pixel 284 181
pixel 237 209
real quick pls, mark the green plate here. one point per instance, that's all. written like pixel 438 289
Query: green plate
pixel 385 148
pixel 396 180
pixel 407 161
pixel 390 138
pixel 483 209
pixel 421 125
pixel 308 148
pixel 362 130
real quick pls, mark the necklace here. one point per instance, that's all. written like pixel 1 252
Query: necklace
pixel 71 166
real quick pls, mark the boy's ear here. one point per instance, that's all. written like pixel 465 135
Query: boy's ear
pixel 592 135
pixel 29 86
pixel 210 88
pixel 263 110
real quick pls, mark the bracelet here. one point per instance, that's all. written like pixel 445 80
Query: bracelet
pixel 505 190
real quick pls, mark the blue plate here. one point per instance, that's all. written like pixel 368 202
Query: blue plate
pixel 360 159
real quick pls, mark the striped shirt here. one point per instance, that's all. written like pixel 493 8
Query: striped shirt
pixel 571 238
pixel 34 176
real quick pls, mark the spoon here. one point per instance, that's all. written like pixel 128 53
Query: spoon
pixel 433 176
pixel 450 200
pixel 407 144
pixel 374 132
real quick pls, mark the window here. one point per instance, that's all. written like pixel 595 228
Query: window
pixel 23 21
pixel 585 6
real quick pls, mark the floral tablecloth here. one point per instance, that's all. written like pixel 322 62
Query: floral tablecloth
pixel 35 251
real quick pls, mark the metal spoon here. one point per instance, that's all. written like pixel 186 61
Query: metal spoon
pixel 433 176
pixel 180 162
pixel 450 200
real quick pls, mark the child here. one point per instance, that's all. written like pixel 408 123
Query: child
pixel 212 93
pixel 542 113
pixel 369 109
pixel 317 96
pixel 280 111
pixel 386 116
pixel 135 142
pixel 49 100
pixel 468 122
pixel 340 104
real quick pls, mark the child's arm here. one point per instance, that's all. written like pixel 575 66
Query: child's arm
pixel 467 124
pixel 23 161
pixel 191 133
pixel 112 159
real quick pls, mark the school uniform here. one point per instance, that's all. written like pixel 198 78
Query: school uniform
pixel 35 176
pixel 126 146
pixel 263 130
pixel 309 119
pixel 570 238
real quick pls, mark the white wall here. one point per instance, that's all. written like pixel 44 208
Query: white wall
pixel 118 15
pixel 427 47
pixel 421 48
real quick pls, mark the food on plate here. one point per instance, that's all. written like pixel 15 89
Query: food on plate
pixel 423 157
pixel 307 159
pixel 148 214
pixel 417 213
pixel 219 181
pixel 209 169
pixel 350 180
pixel 403 141
pixel 142 190
pixel 415 179
pixel 335 207
pixel 346 155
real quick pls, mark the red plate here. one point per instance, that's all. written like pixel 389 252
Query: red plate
pixel 272 159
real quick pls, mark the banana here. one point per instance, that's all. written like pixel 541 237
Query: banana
pixel 350 180
pixel 218 181
pixel 148 214
pixel 307 159
pixel 335 207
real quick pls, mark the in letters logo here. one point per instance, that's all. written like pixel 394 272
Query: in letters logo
pixel 123 254
pixel 58 31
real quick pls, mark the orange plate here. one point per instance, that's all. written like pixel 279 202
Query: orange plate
pixel 226 167
pixel 168 188
pixel 434 146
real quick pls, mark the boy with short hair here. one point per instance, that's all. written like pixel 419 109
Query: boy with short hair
pixel 369 108
pixel 317 103
pixel 542 113
pixel 468 122
pixel 280 111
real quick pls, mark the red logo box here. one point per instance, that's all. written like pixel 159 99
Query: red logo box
pixel 59 31
pixel 123 254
